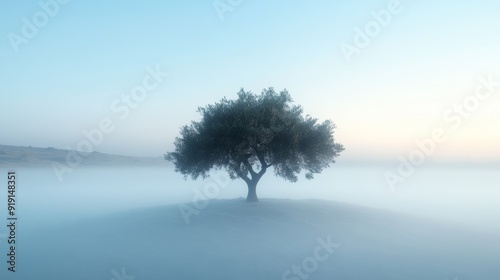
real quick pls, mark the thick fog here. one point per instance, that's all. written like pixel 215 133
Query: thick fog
pixel 459 194
pixel 148 223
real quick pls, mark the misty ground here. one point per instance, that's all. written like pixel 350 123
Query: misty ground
pixel 231 239
pixel 115 223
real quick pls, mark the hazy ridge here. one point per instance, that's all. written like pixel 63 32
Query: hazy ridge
pixel 19 156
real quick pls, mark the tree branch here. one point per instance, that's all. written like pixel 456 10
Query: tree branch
pixel 262 160
pixel 243 176
pixel 249 167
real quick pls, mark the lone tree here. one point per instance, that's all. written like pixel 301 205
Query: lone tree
pixel 248 135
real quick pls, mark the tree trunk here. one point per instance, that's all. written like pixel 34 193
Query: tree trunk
pixel 252 191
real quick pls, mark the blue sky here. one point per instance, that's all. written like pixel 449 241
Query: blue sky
pixel 395 91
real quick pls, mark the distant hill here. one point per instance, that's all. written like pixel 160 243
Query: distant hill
pixel 17 156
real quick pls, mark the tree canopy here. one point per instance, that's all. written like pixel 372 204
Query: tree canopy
pixel 248 135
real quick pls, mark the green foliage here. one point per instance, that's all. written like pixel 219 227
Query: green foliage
pixel 252 133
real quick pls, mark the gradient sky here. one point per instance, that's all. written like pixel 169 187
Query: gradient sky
pixel 397 90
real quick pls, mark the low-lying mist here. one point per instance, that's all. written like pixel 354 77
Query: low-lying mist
pixel 458 194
